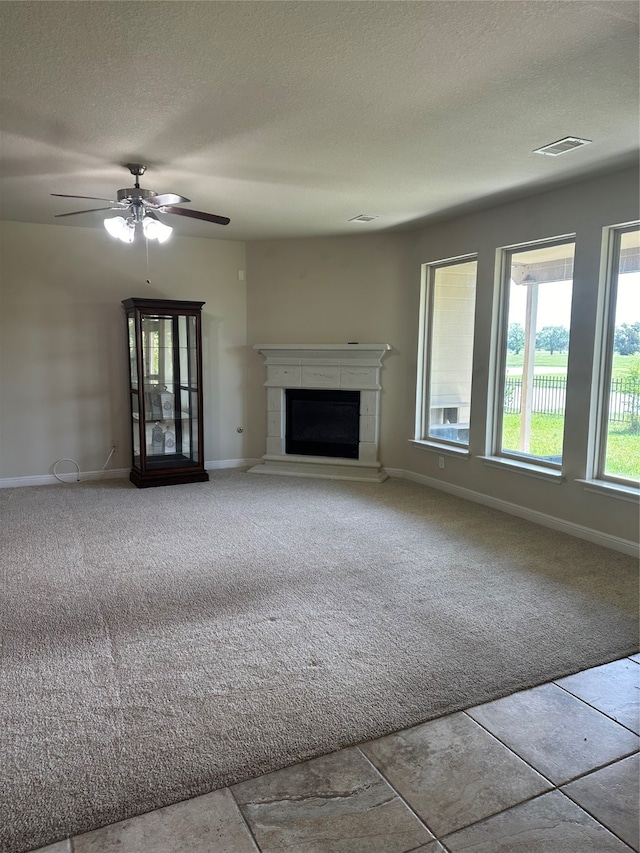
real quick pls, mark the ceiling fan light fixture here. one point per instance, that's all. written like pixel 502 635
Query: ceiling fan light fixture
pixel 119 227
pixel 153 229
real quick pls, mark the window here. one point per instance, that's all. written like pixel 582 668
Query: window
pixel 619 405
pixel 446 357
pixel 536 312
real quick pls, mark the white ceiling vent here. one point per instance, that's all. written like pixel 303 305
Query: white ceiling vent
pixel 562 146
pixel 363 217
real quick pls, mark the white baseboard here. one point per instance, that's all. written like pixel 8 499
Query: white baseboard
pixel 396 472
pixel 111 474
pixel 230 463
pixel 69 477
pixel 615 543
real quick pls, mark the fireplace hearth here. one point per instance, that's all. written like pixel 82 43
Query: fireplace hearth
pixel 308 380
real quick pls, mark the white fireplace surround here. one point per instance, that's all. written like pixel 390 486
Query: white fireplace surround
pixel 348 367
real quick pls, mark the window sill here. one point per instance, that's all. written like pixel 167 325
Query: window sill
pixel 436 447
pixel 612 490
pixel 528 468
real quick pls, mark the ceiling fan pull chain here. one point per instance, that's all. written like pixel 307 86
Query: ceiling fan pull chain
pixel 146 240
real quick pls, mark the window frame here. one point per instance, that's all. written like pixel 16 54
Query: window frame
pixel 497 455
pixel 425 339
pixel 603 361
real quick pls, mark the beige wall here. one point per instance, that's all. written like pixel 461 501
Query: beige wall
pixel 367 288
pixel 332 290
pixel 63 347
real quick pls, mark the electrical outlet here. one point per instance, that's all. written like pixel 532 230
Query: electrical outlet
pixel 440 461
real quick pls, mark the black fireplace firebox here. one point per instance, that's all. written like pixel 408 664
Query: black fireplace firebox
pixel 322 423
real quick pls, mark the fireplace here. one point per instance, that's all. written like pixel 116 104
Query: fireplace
pixel 322 423
pixel 304 379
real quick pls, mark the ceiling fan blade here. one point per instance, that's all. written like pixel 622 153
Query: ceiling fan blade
pixel 197 214
pixel 92 210
pixel 165 198
pixel 90 197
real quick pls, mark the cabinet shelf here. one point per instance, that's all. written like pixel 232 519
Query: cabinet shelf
pixel 179 417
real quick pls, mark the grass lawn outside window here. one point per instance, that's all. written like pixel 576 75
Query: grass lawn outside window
pixel 546 440
pixel 622 364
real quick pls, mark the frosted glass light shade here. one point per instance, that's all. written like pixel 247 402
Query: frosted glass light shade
pixel 154 229
pixel 121 228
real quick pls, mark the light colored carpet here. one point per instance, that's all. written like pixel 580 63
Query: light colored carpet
pixel 161 643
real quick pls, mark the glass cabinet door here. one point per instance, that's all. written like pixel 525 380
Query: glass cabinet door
pixel 166 397
pixel 133 391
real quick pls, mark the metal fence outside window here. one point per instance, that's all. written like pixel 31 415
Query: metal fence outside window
pixel 549 396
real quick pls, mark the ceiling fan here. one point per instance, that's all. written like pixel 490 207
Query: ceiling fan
pixel 141 207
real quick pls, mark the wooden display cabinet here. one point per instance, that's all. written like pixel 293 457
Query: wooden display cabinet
pixel 165 370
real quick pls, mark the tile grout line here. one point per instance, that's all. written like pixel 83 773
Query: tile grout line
pixel 556 787
pixel 584 809
pixel 511 750
pixel 593 707
pixel 600 767
pixel 245 821
pixel 398 794
pixel 70 839
pixel 443 838
pixel 475 822
pixel 529 800
pixel 572 778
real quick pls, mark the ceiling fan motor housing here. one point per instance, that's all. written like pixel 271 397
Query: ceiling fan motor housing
pixel 135 192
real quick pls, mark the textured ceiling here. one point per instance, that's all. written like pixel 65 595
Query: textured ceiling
pixel 293 117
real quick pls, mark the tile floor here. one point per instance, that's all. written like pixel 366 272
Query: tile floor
pixel 554 769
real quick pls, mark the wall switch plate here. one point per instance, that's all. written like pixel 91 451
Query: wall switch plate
pixel 440 461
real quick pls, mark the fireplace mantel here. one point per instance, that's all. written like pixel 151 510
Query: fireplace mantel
pixel 350 366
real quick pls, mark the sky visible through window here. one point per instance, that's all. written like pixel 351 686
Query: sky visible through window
pixel 554 304
pixel 628 304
